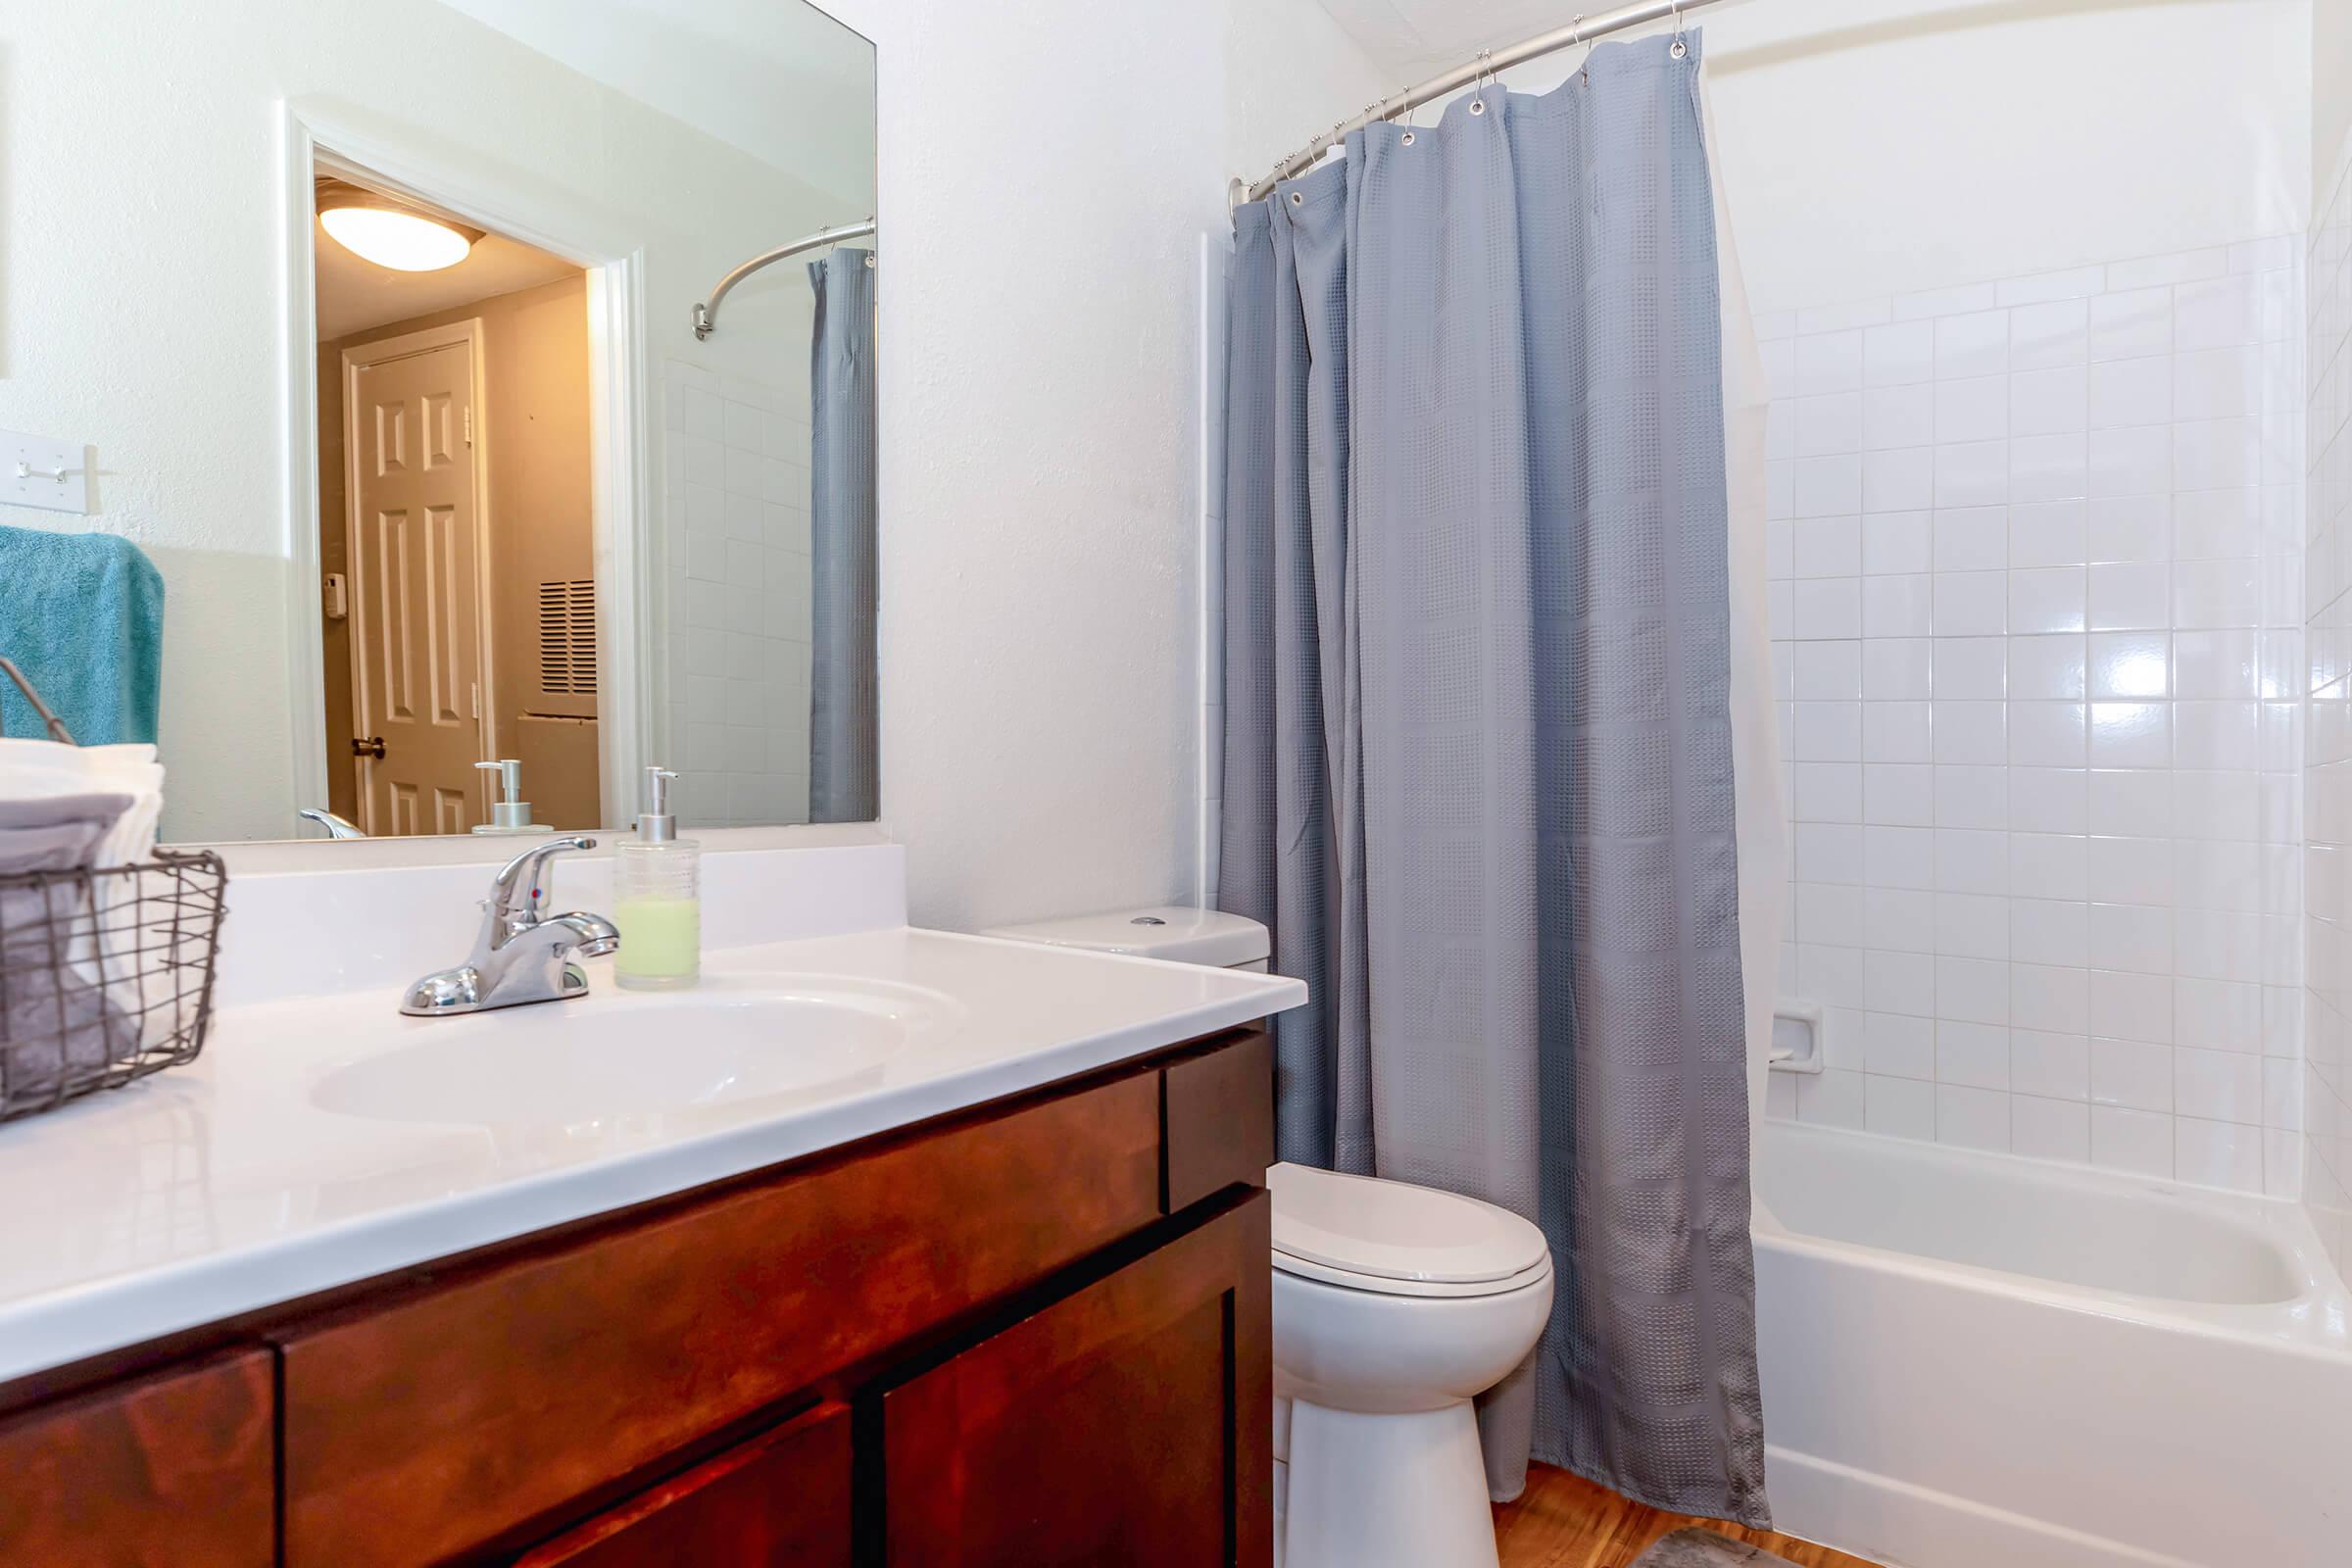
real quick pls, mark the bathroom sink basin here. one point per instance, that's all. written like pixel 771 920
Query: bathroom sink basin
pixel 615 1056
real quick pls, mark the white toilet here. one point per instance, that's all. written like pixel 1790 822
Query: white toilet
pixel 1394 1306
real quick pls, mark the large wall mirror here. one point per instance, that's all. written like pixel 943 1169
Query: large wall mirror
pixel 406 406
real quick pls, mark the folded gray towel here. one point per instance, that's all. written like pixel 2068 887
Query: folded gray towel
pixel 58 1027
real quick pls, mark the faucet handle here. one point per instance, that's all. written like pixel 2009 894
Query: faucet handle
pixel 528 873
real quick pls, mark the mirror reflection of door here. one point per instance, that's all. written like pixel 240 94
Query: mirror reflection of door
pixel 415 576
pixel 457 508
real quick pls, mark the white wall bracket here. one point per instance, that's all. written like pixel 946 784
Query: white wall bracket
pixel 36 471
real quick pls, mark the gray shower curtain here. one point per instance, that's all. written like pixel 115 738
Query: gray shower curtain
pixel 1478 752
pixel 843 775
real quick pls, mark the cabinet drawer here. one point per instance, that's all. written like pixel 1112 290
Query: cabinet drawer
pixel 453 1416
pixel 1220 1118
pixel 781 1500
pixel 1129 1423
pixel 177 1468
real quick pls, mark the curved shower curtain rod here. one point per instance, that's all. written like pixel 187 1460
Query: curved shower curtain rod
pixel 1584 29
pixel 706 315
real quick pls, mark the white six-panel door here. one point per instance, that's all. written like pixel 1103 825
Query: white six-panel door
pixel 417 640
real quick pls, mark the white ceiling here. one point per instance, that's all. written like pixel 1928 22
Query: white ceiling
pixel 778 79
pixel 355 295
pixel 1415 39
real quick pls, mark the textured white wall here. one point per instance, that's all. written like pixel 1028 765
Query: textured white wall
pixel 1046 170
pixel 141 309
pixel 776 78
pixel 1872 149
pixel 2331 95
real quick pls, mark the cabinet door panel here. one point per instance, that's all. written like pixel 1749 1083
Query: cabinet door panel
pixel 781 1500
pixel 1219 1110
pixel 177 1468
pixel 432 1425
pixel 1128 1423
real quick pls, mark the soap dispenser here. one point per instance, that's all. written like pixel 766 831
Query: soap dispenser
pixel 510 814
pixel 657 898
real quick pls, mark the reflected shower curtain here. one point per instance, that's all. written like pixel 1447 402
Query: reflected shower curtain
pixel 843 775
pixel 1478 734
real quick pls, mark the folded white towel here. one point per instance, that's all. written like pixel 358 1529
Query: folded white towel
pixel 105 959
pixel 31 770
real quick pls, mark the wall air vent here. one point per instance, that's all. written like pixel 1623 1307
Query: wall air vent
pixel 567 638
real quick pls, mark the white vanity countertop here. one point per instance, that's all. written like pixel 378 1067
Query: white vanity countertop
pixel 229 1184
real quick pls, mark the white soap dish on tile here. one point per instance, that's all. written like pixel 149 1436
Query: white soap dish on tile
pixel 1799 1033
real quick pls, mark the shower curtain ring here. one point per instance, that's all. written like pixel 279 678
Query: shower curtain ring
pixel 1576 35
pixel 1409 106
pixel 1678 48
pixel 1485 78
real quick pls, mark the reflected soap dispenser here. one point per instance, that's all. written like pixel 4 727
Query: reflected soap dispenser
pixel 658 898
pixel 510 814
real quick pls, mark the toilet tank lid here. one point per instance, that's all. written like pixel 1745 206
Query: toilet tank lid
pixel 1175 932
pixel 1394 1230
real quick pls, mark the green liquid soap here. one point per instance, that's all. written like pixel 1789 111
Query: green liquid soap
pixel 661 943
pixel 657 898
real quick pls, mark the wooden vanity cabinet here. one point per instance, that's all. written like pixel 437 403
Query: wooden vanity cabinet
pixel 175 1467
pixel 1031 1333
pixel 421 1426
pixel 1129 1422
pixel 779 1498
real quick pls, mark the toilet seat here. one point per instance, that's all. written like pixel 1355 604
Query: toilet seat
pixel 1398 1239
pixel 1301 1269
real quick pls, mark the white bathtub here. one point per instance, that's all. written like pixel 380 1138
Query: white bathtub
pixel 1973 1360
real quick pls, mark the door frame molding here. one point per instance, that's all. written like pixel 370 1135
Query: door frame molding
pixel 379 350
pixel 629 612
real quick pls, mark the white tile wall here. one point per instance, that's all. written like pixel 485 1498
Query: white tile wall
pixel 2327 756
pixel 737 534
pixel 2038 619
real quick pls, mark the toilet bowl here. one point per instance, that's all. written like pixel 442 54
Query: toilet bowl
pixel 1394 1306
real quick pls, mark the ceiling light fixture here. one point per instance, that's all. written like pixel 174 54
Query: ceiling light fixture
pixel 391 233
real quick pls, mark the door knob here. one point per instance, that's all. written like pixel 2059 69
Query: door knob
pixel 373 746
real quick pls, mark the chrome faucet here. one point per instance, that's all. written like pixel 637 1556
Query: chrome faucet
pixel 337 827
pixel 522 955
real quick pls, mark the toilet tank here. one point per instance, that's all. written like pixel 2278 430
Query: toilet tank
pixel 1177 933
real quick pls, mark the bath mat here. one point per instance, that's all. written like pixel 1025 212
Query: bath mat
pixel 1704 1548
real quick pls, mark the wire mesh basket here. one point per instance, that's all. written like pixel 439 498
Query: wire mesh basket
pixel 104 976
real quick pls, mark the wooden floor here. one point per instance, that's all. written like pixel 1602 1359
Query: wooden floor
pixel 1564 1521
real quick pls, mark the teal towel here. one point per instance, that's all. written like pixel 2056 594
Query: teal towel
pixel 82 616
